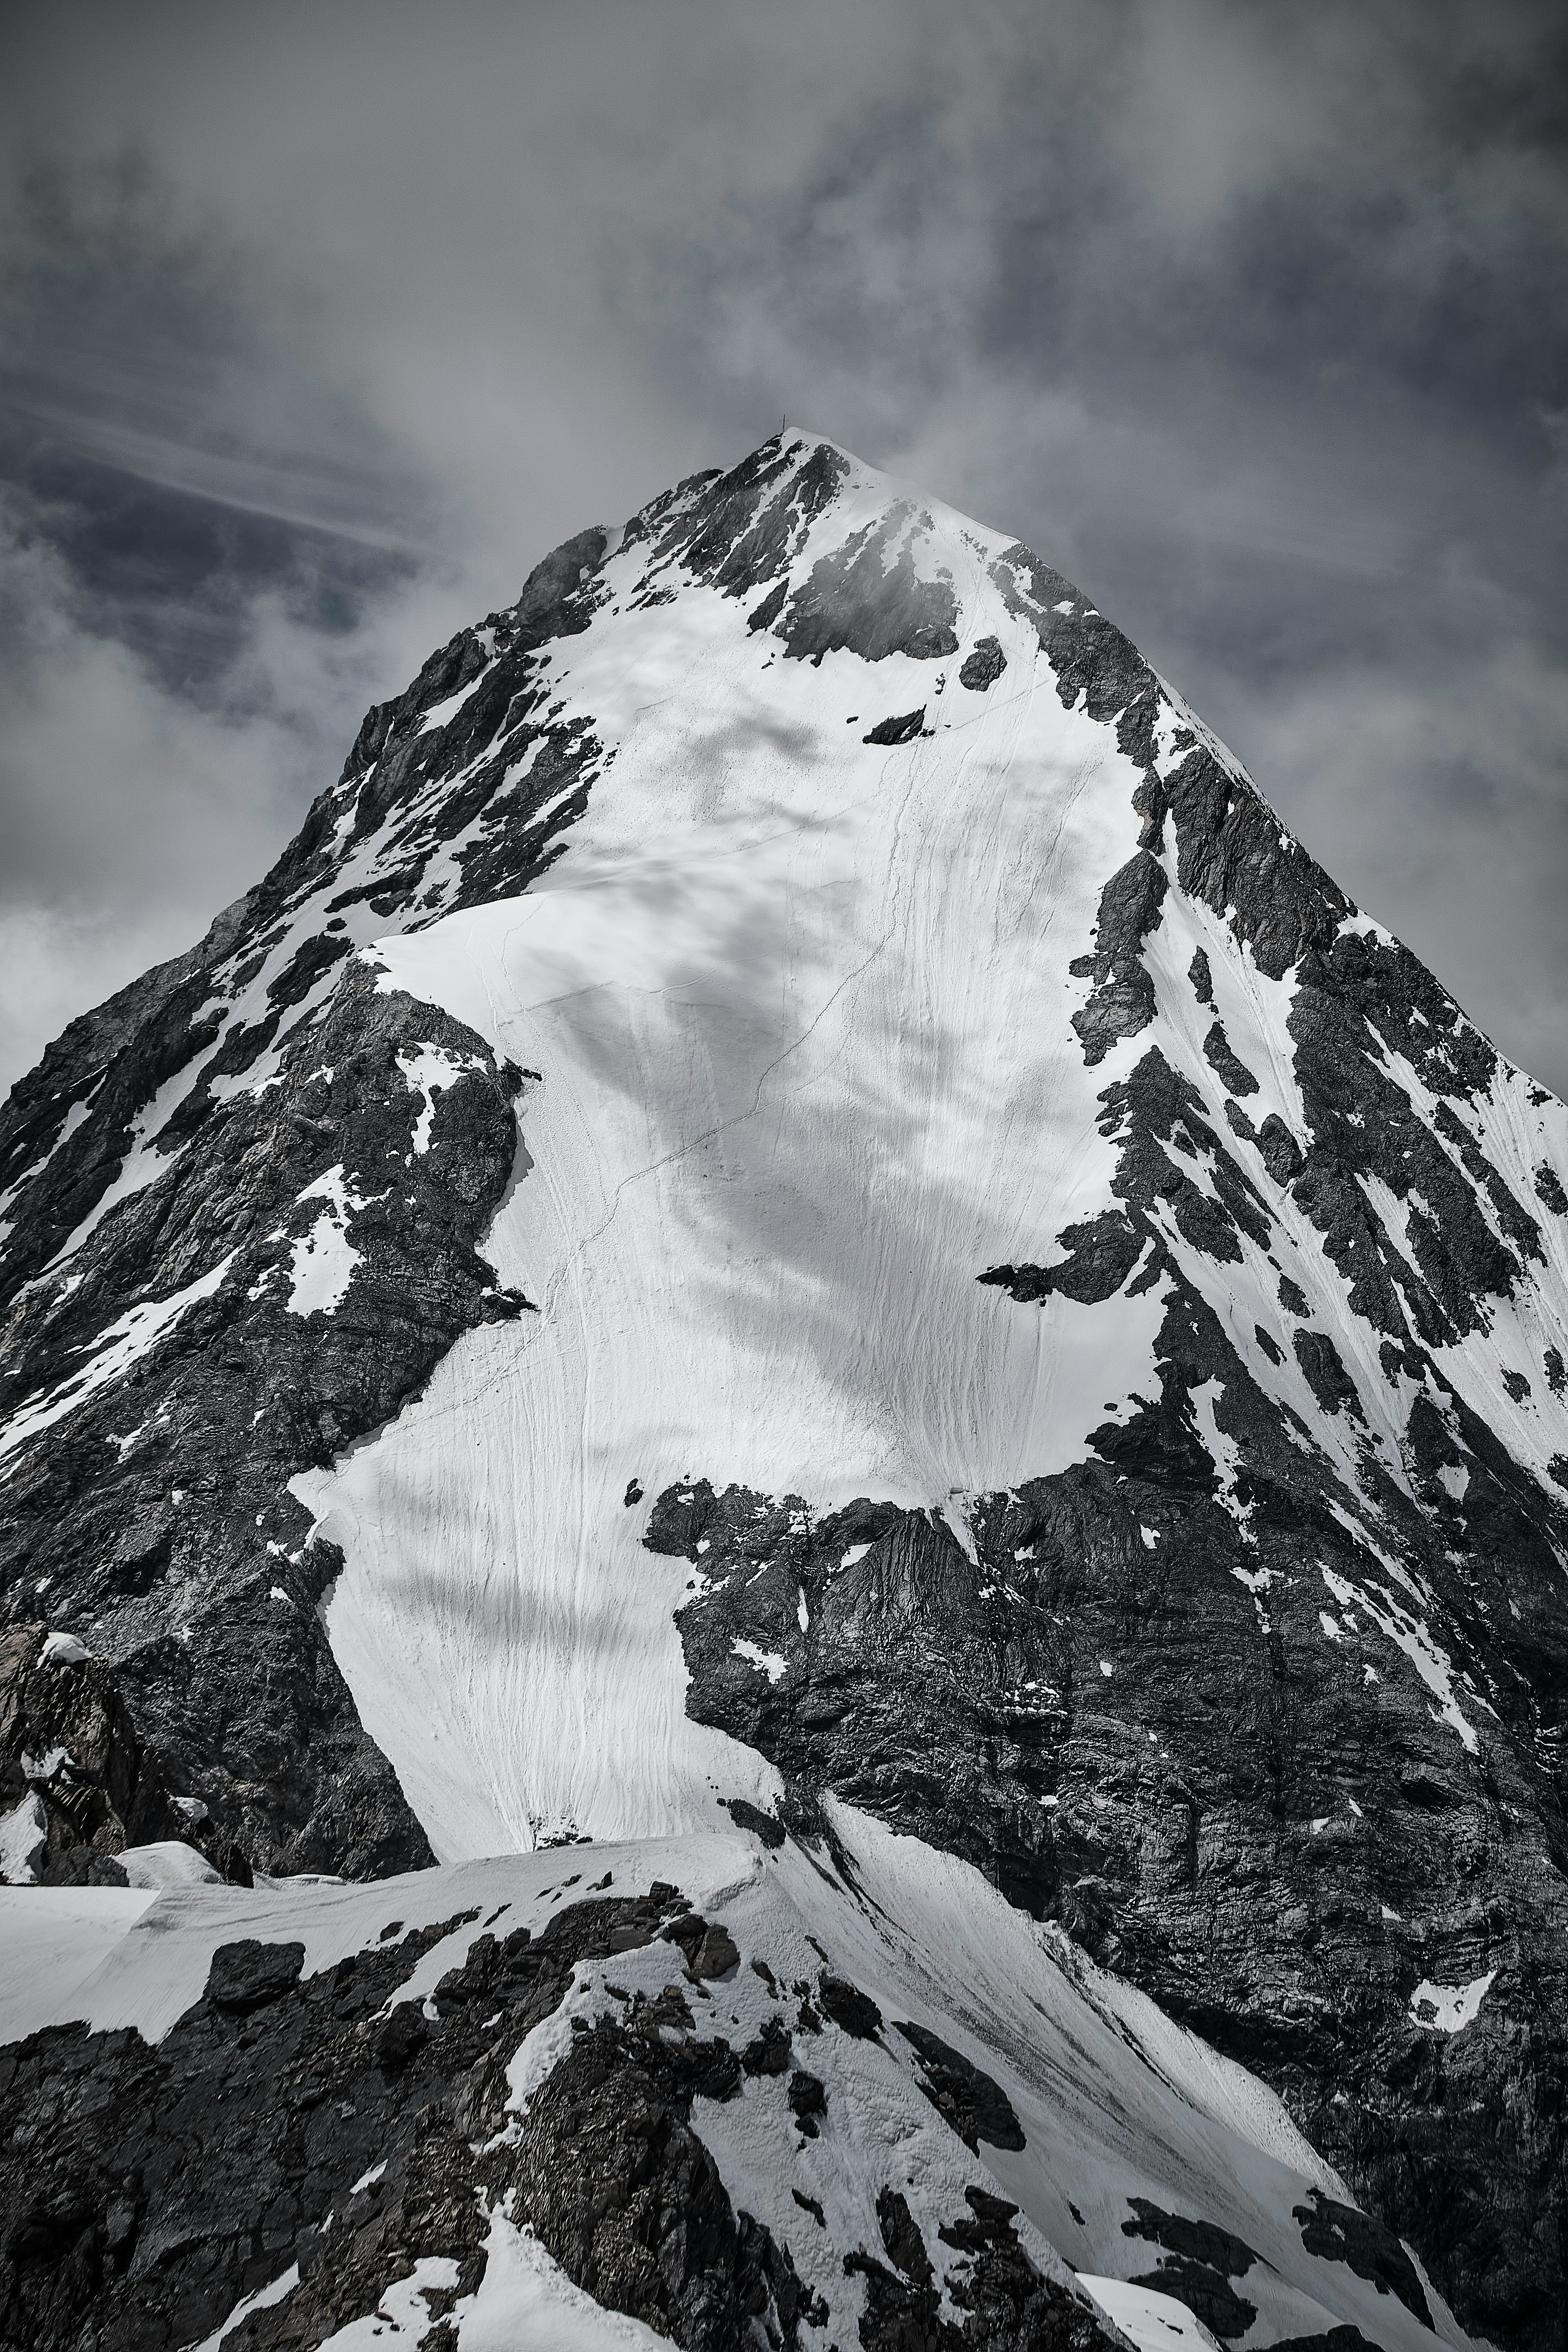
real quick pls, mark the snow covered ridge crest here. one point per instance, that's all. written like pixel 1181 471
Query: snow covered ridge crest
pixel 839 2093
pixel 793 1185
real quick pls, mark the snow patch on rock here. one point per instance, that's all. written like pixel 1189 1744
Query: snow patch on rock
pixel 24 1832
pixel 116 1349
pixel 1448 2008
pixel 322 1261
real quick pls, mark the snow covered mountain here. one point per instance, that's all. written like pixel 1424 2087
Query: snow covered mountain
pixel 794 1238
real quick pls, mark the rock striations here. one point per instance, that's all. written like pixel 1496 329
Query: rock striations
pixel 795 1272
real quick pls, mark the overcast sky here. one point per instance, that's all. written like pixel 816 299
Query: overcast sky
pixel 319 324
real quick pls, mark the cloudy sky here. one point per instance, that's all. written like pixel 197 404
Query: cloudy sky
pixel 320 323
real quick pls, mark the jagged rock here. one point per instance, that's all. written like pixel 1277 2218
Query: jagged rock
pixel 67 1740
pixel 1102 1254
pixel 1202 2262
pixel 849 2007
pixel 972 2101
pixel 1004 2301
pixel 162 1527
pixel 134 2175
pixel 984 667
pixel 1371 2250
pixel 1218 1052
pixel 897 730
pixel 249 1975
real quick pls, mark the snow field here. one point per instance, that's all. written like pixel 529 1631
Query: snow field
pixel 800 1006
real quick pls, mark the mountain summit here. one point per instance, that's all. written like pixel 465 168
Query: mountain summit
pixel 795 1260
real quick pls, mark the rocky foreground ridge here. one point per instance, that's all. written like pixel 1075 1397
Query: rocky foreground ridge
pixel 1234 1661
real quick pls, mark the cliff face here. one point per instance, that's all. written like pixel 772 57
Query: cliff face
pixel 793 1197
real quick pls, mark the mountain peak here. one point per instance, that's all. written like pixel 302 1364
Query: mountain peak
pixel 793 1207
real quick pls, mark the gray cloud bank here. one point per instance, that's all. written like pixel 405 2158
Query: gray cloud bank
pixel 317 326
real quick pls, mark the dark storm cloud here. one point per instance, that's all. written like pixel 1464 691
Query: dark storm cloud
pixel 1248 317
pixel 194 532
pixel 140 338
pixel 174 576
pixel 177 463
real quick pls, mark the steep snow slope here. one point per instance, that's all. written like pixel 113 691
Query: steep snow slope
pixel 795 1002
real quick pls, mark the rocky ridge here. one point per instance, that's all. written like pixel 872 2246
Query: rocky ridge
pixel 720 2122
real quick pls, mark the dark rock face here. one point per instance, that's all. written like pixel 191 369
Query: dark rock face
pixel 147 2189
pixel 1004 2301
pixel 1549 1189
pixel 741 532
pixel 154 1518
pixel 1370 2250
pixel 630 2203
pixel 66 1741
pixel 1123 999
pixel 1102 1254
pixel 984 667
pixel 858 599
pixel 1335 2339
pixel 1218 1055
pixel 847 2007
pixel 249 1975
pixel 298 2122
pixel 897 730
pixel 973 2102
pixel 1218 1816
pixel 1201 2262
